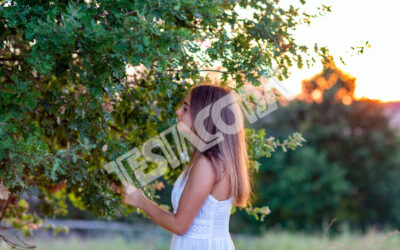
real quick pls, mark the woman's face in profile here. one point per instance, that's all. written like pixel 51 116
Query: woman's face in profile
pixel 183 115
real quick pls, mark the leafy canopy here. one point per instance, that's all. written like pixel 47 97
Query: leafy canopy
pixel 67 104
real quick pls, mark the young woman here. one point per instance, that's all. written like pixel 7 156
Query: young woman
pixel 215 179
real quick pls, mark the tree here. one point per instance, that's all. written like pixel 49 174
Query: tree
pixel 349 170
pixel 68 104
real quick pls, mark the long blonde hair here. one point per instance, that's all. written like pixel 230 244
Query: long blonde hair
pixel 229 155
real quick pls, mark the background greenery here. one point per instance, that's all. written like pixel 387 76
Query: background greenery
pixel 349 171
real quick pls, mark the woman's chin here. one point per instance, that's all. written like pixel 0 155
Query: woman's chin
pixel 183 128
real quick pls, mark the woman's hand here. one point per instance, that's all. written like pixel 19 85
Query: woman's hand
pixel 115 188
pixel 131 195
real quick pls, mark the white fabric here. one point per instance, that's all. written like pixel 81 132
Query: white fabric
pixel 210 228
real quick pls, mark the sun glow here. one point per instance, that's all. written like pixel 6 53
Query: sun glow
pixel 352 23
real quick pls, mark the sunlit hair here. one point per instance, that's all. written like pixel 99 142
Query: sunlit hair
pixel 230 155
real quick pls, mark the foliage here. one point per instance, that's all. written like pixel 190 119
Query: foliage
pixel 303 187
pixel 350 169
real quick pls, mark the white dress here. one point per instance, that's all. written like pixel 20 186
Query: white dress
pixel 210 227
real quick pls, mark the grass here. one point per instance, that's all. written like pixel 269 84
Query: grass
pixel 298 241
pixel 271 240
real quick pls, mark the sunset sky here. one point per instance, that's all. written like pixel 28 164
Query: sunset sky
pixel 352 23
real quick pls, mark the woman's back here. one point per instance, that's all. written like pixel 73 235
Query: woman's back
pixel 210 228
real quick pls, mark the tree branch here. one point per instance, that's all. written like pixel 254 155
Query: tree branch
pixel 202 70
pixel 9 59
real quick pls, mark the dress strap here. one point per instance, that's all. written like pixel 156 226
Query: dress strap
pixel 187 176
pixel 220 156
pixel 188 170
pixel 222 159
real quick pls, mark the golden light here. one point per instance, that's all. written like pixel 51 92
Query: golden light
pixel 352 23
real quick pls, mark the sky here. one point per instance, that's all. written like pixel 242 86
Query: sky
pixel 352 23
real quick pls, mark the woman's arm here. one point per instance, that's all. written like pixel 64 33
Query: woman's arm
pixel 198 186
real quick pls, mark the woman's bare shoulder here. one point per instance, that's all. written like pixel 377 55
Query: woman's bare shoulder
pixel 203 169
